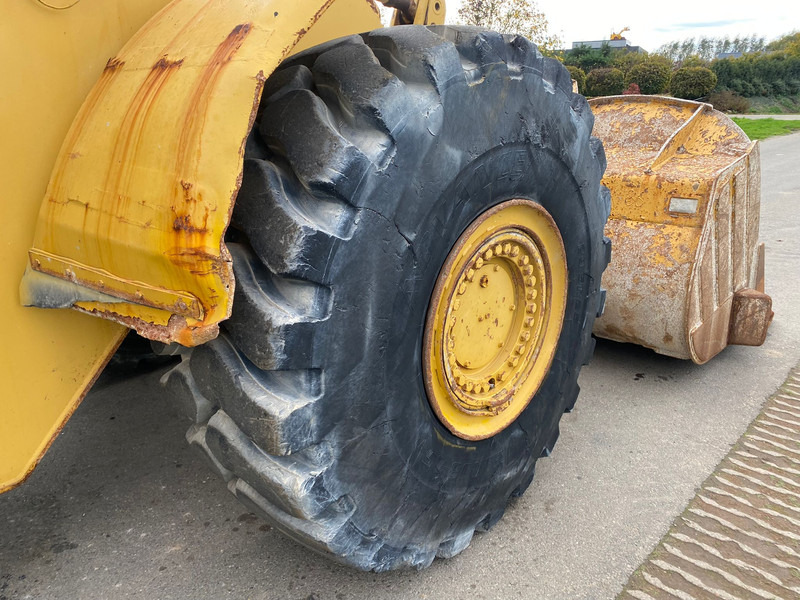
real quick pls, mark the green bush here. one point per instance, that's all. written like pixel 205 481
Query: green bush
pixel 605 82
pixel 578 75
pixel 652 77
pixel 692 83
pixel 728 101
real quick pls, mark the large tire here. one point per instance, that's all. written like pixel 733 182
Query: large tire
pixel 371 155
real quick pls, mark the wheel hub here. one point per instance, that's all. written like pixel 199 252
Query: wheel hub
pixel 495 318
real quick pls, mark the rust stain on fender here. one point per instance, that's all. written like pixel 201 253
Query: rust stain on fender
pixel 144 186
pixel 132 128
pixel 186 232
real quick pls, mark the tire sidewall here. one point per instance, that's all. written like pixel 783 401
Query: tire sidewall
pixel 394 450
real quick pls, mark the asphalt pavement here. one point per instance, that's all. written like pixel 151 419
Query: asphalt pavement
pixel 792 117
pixel 120 507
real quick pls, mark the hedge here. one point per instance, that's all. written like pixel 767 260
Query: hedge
pixel 763 74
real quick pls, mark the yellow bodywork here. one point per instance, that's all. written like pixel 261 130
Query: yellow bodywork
pixel 133 216
pixel 51 59
pixel 685 191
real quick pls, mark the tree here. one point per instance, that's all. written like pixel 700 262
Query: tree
pixel 511 16
pixel 707 48
pixel 757 44
pixel 687 48
pixel 789 44
pixel 589 58
pixel 670 50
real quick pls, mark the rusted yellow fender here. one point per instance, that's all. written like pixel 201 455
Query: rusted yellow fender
pixel 143 187
pixel 687 272
pixel 133 217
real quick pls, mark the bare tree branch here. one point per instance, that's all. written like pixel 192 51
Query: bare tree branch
pixel 511 16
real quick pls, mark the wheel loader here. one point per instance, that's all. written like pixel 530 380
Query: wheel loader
pixel 375 254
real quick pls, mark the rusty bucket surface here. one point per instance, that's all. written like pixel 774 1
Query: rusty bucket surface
pixel 687 272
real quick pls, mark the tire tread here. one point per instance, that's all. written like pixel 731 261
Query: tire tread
pixel 259 388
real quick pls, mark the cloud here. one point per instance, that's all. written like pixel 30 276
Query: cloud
pixel 701 25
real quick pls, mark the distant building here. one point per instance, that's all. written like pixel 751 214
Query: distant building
pixel 730 54
pixel 622 44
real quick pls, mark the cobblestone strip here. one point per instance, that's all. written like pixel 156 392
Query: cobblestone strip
pixel 739 538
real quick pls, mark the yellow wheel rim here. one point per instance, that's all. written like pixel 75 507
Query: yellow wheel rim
pixel 494 319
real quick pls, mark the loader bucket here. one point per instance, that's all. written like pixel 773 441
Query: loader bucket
pixel 686 277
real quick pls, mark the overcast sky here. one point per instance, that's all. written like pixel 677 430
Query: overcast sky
pixel 653 23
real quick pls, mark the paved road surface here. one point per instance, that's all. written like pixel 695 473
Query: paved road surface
pixel 776 117
pixel 120 508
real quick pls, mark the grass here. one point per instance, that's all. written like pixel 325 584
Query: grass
pixel 759 129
